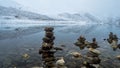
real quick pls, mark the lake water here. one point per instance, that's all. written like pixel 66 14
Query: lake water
pixel 28 39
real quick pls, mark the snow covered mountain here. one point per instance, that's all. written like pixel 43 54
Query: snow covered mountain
pixel 12 13
pixel 10 9
pixel 79 17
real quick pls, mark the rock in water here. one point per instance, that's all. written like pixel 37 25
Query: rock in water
pixel 76 54
pixel 114 43
pixel 60 62
pixel 118 57
pixel 94 51
pixel 25 56
pixel 96 65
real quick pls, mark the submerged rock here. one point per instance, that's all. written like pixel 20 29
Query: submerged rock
pixel 76 54
pixel 25 56
pixel 58 48
pixel 63 45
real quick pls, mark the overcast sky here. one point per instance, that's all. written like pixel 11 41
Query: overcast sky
pixel 96 7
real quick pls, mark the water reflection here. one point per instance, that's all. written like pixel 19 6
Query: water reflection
pixel 66 35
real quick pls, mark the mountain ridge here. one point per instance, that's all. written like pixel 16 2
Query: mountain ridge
pixel 21 14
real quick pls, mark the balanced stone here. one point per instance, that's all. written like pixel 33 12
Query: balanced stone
pixel 49 34
pixel 48 40
pixel 49 29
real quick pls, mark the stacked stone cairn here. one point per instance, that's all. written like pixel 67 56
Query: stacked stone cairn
pixel 47 48
pixel 92 56
pixel 91 59
pixel 81 43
